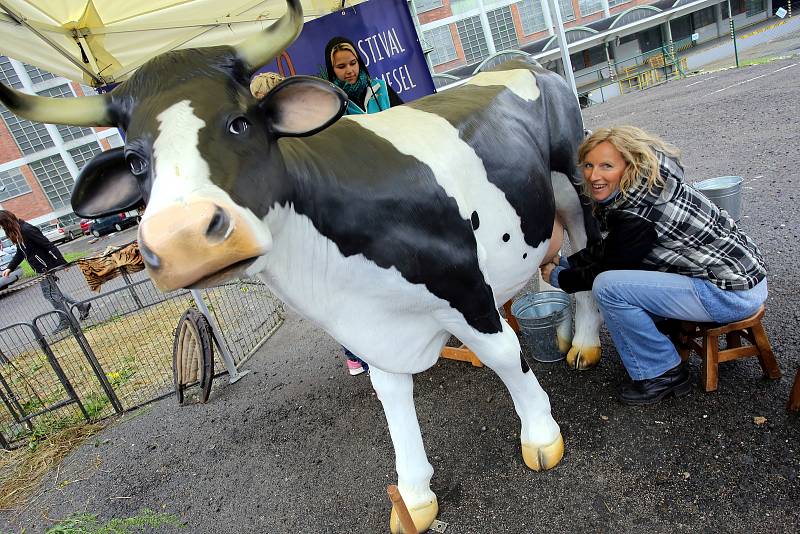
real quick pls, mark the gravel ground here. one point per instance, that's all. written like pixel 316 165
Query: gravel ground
pixel 298 446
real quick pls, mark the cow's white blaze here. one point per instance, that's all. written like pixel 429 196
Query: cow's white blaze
pixel 506 265
pixel 521 82
pixel 181 174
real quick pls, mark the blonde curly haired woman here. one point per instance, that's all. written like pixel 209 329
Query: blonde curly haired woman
pixel 669 253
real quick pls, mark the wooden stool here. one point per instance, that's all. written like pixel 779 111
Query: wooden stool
pixel 463 354
pixel 794 397
pixel 708 349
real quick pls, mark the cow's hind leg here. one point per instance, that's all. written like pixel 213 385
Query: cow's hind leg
pixel 396 393
pixel 585 350
pixel 540 436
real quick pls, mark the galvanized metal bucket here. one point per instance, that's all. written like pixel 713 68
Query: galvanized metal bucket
pixel 545 323
pixel 725 192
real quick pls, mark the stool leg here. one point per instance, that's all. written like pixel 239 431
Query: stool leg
pixel 710 362
pixel 794 397
pixel 765 355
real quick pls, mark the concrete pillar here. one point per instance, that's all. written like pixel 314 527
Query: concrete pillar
pixel 718 15
pixel 612 66
pixel 606 9
pixel 548 17
pixel 666 36
pixel 487 31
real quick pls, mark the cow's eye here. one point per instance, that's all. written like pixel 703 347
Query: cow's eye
pixel 137 164
pixel 238 126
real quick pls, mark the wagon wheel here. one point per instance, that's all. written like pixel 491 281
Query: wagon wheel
pixel 193 354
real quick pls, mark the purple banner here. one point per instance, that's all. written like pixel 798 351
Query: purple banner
pixel 384 34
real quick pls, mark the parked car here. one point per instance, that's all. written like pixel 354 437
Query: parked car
pixel 71 231
pixel 85 224
pixel 112 223
pixel 6 255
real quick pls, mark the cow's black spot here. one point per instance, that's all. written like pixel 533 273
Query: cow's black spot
pixel 476 222
pixel 424 237
pixel 524 364
pixel 524 256
pixel 506 237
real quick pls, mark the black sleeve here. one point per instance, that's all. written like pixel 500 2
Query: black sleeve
pixel 394 98
pixel 16 260
pixel 629 240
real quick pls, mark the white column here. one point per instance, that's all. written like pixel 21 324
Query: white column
pixel 487 31
pixel 718 15
pixel 562 44
pixel 606 9
pixel 548 18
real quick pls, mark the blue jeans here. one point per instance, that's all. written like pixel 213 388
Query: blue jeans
pixel 632 301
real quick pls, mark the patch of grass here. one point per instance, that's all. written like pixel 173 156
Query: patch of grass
pixel 758 61
pixel 89 523
pixel 21 470
pixel 28 272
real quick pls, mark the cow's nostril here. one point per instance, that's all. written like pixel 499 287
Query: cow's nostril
pixel 150 258
pixel 219 224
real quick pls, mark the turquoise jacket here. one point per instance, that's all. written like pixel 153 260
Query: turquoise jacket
pixel 370 102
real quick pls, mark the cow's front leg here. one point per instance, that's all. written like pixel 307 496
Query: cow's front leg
pixel 540 436
pixel 396 393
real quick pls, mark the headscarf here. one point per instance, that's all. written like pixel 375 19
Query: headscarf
pixel 353 90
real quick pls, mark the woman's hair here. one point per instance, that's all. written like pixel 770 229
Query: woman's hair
pixel 337 44
pixel 10 224
pixel 636 147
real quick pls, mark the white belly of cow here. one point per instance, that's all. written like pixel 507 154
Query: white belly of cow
pixel 376 313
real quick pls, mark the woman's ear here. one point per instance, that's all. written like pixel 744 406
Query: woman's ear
pixel 303 105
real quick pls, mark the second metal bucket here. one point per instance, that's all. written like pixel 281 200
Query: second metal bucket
pixel 725 192
pixel 545 324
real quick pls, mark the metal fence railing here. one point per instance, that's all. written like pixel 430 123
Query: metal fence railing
pixel 116 359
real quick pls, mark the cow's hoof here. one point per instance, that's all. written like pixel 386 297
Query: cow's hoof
pixel 422 515
pixel 541 458
pixel 583 358
pixel 563 344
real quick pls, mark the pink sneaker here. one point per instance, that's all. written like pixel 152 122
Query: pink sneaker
pixel 354 367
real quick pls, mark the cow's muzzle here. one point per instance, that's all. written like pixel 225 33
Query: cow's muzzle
pixel 198 244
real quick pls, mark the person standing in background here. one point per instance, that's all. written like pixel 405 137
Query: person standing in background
pixel 42 255
pixel 346 70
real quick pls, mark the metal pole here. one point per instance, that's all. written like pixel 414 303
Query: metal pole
pixel 733 34
pixel 563 47
pixel 487 30
pixel 227 359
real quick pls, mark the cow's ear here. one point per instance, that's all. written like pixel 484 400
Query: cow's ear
pixel 303 105
pixel 105 186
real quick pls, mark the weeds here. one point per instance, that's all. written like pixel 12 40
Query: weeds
pixel 89 523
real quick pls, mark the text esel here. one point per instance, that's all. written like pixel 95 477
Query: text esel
pixel 383 45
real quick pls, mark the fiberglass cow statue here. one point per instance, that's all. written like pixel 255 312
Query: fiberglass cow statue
pixel 392 231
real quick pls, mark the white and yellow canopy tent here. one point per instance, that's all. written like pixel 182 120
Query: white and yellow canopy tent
pixel 98 42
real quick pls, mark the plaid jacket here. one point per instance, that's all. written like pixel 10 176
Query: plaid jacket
pixel 672 229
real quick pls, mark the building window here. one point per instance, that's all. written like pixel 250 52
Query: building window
pixel 588 58
pixel 472 39
pixel 13 184
pixel 426 5
pixel 588 7
pixel 115 140
pixel 30 136
pixel 704 17
pixel 532 16
pixel 8 74
pixel 501 24
pixel 612 3
pixel 37 75
pixel 84 153
pixel 55 179
pixel 68 133
pixel 443 48
pixel 754 7
pixel 567 11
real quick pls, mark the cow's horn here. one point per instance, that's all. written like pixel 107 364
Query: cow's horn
pixel 83 111
pixel 267 44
